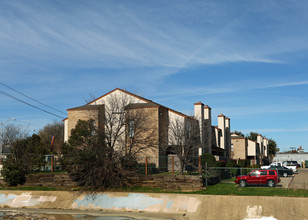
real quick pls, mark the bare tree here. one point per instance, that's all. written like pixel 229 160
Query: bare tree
pixel 141 133
pixel 103 149
pixel 127 126
pixel 55 129
pixel 184 140
pixel 10 133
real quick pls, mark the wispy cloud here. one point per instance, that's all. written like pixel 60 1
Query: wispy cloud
pixel 276 130
pixel 122 35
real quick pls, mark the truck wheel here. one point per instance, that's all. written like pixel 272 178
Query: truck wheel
pixel 270 183
pixel 285 175
pixel 243 183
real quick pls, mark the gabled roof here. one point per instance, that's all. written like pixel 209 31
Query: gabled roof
pixel 150 102
pixel 124 91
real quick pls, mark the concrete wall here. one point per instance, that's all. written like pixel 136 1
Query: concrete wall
pixel 280 157
pixel 177 206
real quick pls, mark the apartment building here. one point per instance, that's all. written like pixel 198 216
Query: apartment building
pixel 159 129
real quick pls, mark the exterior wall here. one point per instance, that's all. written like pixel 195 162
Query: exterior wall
pixel 84 114
pixel 260 142
pixel 217 137
pixel 147 136
pixel 163 136
pixel 173 118
pixel 239 148
pixel 66 130
pixel 228 137
pixel 266 149
pixel 118 94
pixel 208 129
pixel 199 115
pixel 222 126
pixel 300 157
pixel 252 149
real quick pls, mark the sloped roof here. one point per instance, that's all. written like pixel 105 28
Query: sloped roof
pixel 149 102
pixel 85 107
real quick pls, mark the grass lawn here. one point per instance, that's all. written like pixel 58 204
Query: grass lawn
pixel 218 189
pixel 234 189
pixel 228 189
pixel 30 188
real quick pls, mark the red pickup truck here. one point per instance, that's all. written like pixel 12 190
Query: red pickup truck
pixel 259 177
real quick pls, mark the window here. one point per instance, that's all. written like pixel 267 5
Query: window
pixel 131 128
pixel 272 173
pixel 263 173
pixel 254 173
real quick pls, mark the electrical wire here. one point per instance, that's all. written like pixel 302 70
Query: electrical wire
pixel 32 98
pixel 17 99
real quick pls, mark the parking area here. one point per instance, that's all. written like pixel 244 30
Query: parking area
pixel 300 180
pixel 285 181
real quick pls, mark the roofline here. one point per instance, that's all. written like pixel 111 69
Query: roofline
pixel 252 141
pixel 178 113
pixel 139 97
pixel 85 107
pixel 136 96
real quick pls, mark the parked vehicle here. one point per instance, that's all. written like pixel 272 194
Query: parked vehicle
pixel 274 164
pixel 282 171
pixel 259 177
pixel 291 165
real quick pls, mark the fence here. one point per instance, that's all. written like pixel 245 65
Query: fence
pixel 194 165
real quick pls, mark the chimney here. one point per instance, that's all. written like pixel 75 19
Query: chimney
pixel 260 142
pixel 208 128
pixel 228 137
pixel 266 149
pixel 222 126
pixel 199 115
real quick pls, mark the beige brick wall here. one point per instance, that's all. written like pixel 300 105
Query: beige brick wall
pixel 239 148
pixel 147 137
pixel 85 114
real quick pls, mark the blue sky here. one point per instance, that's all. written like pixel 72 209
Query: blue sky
pixel 246 59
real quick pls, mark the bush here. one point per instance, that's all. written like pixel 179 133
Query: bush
pixel 231 163
pixel 152 169
pixel 13 173
pixel 241 163
pixel 209 159
pixel 220 163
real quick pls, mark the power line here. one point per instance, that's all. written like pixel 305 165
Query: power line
pixel 33 106
pixel 32 98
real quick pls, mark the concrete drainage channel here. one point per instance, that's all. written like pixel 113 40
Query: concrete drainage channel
pixel 160 206
pixel 36 214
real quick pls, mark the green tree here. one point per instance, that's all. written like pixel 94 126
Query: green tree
pixel 252 136
pixel 239 133
pixel 27 156
pixel 90 162
pixel 272 147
